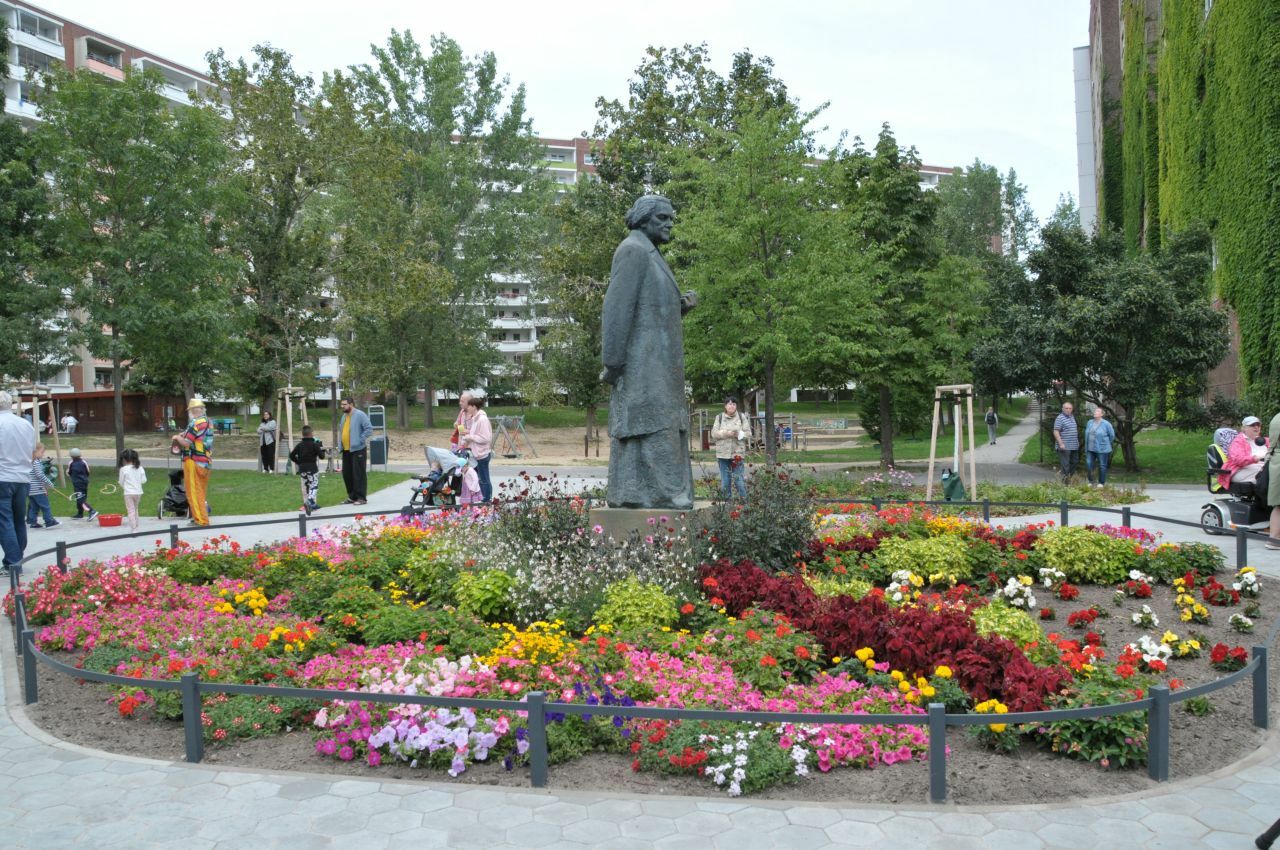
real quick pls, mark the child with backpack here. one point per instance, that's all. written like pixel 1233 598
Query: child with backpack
pixel 305 455
pixel 78 475
pixel 131 477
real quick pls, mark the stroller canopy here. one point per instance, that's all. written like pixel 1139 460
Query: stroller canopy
pixel 445 459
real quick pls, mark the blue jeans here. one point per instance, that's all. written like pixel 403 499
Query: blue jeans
pixel 732 477
pixel 482 472
pixel 38 503
pixel 1100 459
pixel 13 531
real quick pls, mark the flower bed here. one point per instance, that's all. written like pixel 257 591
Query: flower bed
pixel 878 612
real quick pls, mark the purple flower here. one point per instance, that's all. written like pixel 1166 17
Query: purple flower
pixel 346 754
pixel 326 747
pixel 375 758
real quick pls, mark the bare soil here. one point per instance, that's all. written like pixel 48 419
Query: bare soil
pixel 83 713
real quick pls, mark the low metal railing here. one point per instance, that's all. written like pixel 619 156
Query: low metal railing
pixel 535 705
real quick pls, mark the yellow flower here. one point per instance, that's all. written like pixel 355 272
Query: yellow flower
pixel 904 686
pixel 943 672
pixel 896 675
pixel 998 727
pixel 1169 638
pixel 836 659
pixel 1025 580
pixel 865 653
pixel 928 691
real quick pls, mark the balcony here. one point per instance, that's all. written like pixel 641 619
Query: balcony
pixel 512 323
pixel 103 68
pixel 522 347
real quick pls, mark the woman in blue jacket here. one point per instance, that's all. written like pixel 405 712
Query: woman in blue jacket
pixel 1098 437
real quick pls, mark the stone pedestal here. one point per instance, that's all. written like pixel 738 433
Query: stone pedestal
pixel 618 523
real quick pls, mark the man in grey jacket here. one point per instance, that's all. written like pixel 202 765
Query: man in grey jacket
pixel 353 439
pixel 642 341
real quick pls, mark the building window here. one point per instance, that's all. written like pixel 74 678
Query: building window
pixel 105 55
pixel 555 157
pixel 589 158
pixel 102 378
pixel 34 60
pixel 37 26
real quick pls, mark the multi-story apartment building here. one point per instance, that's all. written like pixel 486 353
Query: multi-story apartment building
pixel 40 39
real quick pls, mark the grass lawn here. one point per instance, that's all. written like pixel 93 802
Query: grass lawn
pixel 1166 456
pixel 231 491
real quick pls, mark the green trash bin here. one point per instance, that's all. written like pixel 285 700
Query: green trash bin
pixel 952 487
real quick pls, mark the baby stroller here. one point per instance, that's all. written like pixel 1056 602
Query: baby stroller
pixel 1242 504
pixel 441 486
pixel 174 500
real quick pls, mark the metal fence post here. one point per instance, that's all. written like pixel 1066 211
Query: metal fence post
pixel 192 728
pixel 875 502
pixel 30 680
pixel 302 524
pixel 1126 516
pixel 61 555
pixel 1260 696
pixel 537 704
pixel 1242 548
pixel 1064 510
pixel 19 620
pixel 937 752
pixel 1158 734
pixel 986 510
pixel 173 536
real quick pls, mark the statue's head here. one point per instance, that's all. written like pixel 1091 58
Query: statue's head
pixel 654 215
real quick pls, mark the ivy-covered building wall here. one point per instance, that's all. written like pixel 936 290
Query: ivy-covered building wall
pixel 1199 129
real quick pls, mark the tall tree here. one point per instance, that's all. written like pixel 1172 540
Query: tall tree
pixel 469 184
pixel 750 240
pixel 288 146
pixel 134 187
pixel 36 332
pixel 572 278
pixel 890 223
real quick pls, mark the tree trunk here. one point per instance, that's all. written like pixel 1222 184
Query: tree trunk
pixel 770 437
pixel 402 411
pixel 189 386
pixel 429 402
pixel 117 378
pixel 886 426
pixel 1127 445
pixel 591 425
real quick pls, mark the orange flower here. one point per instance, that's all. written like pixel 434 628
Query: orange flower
pixel 782 630
pixel 768 661
pixel 710 581
pixel 753 635
pixel 802 652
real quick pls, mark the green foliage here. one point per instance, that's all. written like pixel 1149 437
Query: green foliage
pixel 206 567
pixel 765 650
pixel 347 609
pixel 484 593
pixel 574 737
pixel 1000 618
pixel 631 604
pixel 1198 706
pixel 432 574
pixel 137 219
pixel 943 559
pixel 838 585
pixel 1119 740
pixel 774 523
pixel 239 717
pixel 1086 557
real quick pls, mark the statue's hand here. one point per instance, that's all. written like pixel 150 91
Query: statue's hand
pixel 688 301
pixel 611 374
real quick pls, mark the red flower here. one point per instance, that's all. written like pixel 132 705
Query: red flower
pixel 768 661
pixel 717 602
pixel 710 581
pixel 260 641
pixel 1218 654
pixel 127 706
pixel 782 630
pixel 753 635
pixel 802 652
pixel 1124 671
pixel 687 608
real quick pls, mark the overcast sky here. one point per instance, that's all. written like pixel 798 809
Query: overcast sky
pixel 959 79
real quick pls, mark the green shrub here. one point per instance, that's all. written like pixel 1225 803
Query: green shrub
pixel 1087 557
pixel 1000 618
pixel 1204 558
pixel 345 612
pixel 1116 741
pixel 394 624
pixel 630 604
pixel 197 567
pixel 485 593
pixel 838 585
pixel 774 523
pixel 940 560
pixel 460 634
pixel 431 576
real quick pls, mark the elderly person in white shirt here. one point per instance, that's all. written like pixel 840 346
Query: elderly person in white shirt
pixel 17 446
